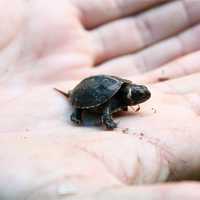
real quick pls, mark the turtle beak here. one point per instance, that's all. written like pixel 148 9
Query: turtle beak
pixel 146 93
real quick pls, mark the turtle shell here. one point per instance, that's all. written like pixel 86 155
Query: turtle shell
pixel 95 90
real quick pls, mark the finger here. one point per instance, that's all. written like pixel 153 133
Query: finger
pixel 187 86
pixel 94 13
pixel 134 33
pixel 184 85
pixel 187 190
pixel 183 66
pixel 135 64
pixel 154 56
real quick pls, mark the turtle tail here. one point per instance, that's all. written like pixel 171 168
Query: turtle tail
pixel 68 94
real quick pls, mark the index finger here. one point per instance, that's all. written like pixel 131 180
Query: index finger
pixel 95 13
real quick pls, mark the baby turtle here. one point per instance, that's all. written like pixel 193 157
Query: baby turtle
pixel 105 95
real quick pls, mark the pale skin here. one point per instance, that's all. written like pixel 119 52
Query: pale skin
pixel 46 44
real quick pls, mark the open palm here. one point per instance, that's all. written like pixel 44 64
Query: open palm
pixel 52 44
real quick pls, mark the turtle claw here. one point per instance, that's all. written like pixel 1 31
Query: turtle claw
pixel 75 119
pixel 110 124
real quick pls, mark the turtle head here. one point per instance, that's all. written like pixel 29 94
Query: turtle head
pixel 136 94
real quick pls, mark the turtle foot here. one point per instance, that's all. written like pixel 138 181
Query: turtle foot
pixel 75 119
pixel 110 124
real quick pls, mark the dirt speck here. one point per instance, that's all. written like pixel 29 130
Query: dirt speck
pixel 161 79
pixel 142 134
pixel 125 131
pixel 154 110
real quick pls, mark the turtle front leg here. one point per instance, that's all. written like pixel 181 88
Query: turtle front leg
pixel 76 116
pixel 107 118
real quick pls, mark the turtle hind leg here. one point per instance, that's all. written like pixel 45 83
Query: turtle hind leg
pixel 107 118
pixel 76 116
pixel 125 108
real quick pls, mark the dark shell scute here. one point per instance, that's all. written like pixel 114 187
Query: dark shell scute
pixel 95 90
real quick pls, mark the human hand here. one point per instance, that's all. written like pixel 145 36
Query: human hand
pixel 41 39
pixel 50 157
pixel 64 156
